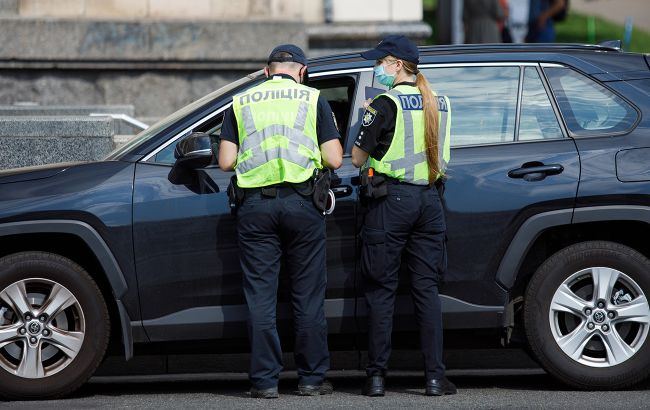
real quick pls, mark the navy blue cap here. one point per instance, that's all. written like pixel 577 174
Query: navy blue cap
pixel 297 55
pixel 396 46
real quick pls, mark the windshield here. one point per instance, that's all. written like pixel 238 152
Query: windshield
pixel 171 119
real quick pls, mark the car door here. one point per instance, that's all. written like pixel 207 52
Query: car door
pixel 185 244
pixel 342 91
pixel 510 159
pixel 186 249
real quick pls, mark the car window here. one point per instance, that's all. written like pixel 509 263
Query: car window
pixel 538 120
pixel 339 93
pixel 588 107
pixel 483 102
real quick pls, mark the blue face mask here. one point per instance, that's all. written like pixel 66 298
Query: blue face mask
pixel 382 77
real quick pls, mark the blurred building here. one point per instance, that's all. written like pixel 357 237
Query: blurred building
pixel 161 54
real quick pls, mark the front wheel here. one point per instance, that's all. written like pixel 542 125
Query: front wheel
pixel 54 326
pixel 587 315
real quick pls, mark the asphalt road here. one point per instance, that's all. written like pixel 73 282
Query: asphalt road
pixel 477 390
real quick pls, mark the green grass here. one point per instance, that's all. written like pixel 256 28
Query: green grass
pixel 574 30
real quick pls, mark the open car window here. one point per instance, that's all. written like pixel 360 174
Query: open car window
pixel 338 91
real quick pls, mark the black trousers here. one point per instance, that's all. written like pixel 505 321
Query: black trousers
pixel 269 227
pixel 409 221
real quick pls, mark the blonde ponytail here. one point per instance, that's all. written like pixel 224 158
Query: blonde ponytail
pixel 430 109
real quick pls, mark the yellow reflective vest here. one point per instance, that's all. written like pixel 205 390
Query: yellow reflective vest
pixel 406 159
pixel 277 133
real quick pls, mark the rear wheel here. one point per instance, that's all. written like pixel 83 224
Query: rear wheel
pixel 54 326
pixel 587 315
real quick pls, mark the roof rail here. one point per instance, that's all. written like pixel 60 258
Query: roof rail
pixel 611 44
pixel 503 47
pixel 522 46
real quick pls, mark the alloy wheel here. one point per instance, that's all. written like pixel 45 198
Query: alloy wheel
pixel 599 317
pixel 42 328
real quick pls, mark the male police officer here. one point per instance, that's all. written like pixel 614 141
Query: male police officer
pixel 275 136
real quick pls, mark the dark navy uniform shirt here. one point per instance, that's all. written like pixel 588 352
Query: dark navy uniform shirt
pixel 325 122
pixel 378 126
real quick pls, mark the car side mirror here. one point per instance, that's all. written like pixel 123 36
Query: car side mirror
pixel 194 151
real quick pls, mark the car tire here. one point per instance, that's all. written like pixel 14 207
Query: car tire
pixel 53 348
pixel 586 315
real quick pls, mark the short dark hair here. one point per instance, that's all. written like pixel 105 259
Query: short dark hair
pixel 273 65
pixel 280 55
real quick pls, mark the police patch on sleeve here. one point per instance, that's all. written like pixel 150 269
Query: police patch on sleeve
pixel 369 116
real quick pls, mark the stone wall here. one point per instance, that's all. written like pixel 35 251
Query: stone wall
pixel 306 11
pixel 240 10
pixel 61 40
pixel 154 93
pixel 44 140
pixel 26 111
pixel 156 66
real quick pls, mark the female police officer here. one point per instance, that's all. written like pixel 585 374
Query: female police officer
pixel 403 155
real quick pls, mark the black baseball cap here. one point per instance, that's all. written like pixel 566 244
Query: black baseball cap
pixel 396 46
pixel 297 55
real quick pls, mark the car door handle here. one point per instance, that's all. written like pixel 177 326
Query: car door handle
pixel 341 191
pixel 551 169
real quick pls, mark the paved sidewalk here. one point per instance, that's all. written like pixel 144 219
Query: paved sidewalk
pixel 616 10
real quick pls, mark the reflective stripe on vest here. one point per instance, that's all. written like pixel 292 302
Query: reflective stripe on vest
pixel 254 140
pixel 444 127
pixel 277 133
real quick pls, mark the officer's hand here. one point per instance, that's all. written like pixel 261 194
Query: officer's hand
pixel 367 103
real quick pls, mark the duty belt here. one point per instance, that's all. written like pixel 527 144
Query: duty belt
pixel 279 190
